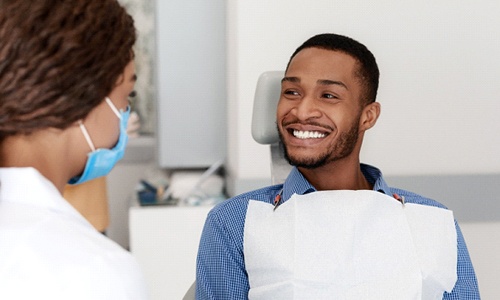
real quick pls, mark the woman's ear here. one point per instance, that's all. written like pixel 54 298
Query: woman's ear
pixel 369 116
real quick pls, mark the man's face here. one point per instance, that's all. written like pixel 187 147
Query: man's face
pixel 319 109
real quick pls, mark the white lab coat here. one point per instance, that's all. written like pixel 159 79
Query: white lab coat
pixel 49 251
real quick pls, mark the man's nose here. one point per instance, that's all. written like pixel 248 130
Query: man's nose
pixel 307 108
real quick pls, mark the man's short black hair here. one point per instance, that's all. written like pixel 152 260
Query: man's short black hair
pixel 368 71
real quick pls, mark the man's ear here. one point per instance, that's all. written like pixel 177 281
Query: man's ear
pixel 369 116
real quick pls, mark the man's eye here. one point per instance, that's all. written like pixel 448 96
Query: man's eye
pixel 329 96
pixel 291 93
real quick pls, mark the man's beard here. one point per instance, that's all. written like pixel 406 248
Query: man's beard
pixel 343 147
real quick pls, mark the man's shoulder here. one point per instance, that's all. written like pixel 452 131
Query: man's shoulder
pixel 240 202
pixel 411 197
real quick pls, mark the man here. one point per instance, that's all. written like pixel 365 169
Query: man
pixel 334 229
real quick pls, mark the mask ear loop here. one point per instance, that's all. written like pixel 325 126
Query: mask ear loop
pixel 86 133
pixel 113 108
pixel 87 136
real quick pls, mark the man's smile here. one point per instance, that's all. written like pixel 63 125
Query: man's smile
pixel 310 131
pixel 308 134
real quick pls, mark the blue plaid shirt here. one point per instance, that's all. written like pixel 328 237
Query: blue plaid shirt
pixel 221 272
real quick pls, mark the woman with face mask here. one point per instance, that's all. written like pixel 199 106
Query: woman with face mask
pixel 66 71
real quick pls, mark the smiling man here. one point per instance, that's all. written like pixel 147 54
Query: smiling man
pixel 334 229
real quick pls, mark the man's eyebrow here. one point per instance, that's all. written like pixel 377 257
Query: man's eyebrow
pixel 290 79
pixel 320 81
pixel 332 82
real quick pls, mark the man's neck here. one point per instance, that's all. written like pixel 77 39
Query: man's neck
pixel 339 175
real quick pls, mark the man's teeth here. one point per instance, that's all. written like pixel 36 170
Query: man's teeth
pixel 308 134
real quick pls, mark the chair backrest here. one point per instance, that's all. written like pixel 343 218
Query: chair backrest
pixel 267 95
pixel 191 292
pixel 264 131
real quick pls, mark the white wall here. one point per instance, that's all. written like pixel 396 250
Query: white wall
pixel 439 78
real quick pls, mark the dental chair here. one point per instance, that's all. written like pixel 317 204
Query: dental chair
pixel 264 131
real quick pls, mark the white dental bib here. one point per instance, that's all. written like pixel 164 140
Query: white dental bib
pixel 349 245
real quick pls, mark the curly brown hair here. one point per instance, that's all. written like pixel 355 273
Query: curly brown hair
pixel 58 60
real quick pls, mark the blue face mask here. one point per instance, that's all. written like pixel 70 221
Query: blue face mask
pixel 101 161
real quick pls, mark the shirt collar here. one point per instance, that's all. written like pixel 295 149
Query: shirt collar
pixel 296 183
pixel 374 177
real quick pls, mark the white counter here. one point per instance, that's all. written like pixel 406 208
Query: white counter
pixel 164 239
